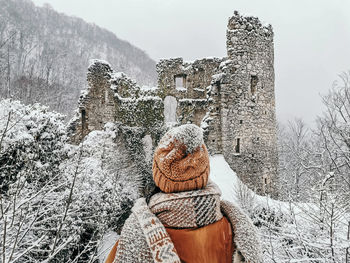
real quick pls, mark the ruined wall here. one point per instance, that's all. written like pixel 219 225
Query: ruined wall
pixel 231 98
pixel 114 97
pixel 197 77
pixel 96 104
pixel 212 121
pixel 188 83
pixel 133 108
pixel 248 103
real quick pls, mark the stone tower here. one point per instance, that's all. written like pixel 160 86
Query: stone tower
pixel 231 98
pixel 247 103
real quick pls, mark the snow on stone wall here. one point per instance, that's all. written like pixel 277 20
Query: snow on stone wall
pixel 232 98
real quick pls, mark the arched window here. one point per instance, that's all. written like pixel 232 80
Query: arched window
pixel 170 106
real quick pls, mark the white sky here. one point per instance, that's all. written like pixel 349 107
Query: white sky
pixel 312 37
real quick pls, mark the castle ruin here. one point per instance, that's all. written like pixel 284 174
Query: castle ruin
pixel 231 98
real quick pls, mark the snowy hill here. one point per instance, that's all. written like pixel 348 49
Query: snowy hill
pixel 232 187
pixel 44 55
pixel 234 190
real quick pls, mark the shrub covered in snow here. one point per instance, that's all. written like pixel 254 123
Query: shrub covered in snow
pixel 103 193
pixel 57 200
pixel 31 145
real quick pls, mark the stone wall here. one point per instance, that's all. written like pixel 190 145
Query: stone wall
pixel 96 104
pixel 114 97
pixel 191 89
pixel 196 75
pixel 231 98
pixel 248 103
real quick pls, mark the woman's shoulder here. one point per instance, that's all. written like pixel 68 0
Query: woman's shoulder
pixel 246 236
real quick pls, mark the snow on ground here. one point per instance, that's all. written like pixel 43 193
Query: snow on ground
pixel 224 177
pixel 230 185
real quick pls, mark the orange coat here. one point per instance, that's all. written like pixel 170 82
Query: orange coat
pixel 209 244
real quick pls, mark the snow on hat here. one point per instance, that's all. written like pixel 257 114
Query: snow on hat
pixel 181 160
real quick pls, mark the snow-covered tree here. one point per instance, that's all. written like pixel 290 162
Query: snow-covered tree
pixel 314 225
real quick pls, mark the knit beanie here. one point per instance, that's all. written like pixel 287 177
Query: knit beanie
pixel 181 160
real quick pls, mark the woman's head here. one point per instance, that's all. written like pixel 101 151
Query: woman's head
pixel 181 160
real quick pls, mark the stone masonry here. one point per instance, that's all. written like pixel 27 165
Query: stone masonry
pixel 231 98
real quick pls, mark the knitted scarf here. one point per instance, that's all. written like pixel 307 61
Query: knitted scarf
pixel 145 239
pixel 190 209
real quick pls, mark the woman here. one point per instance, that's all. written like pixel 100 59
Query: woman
pixel 185 221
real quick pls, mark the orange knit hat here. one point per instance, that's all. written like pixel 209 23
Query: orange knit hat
pixel 181 160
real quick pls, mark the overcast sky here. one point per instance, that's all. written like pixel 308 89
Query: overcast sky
pixel 312 37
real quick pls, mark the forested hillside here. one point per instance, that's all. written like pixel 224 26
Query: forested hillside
pixel 44 55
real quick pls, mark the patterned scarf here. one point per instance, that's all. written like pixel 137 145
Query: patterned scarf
pixel 190 209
